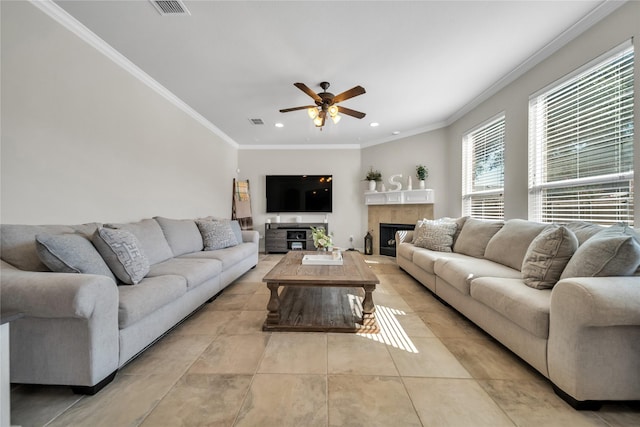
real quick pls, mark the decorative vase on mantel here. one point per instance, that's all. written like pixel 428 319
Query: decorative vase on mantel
pixel 372 185
pixel 422 186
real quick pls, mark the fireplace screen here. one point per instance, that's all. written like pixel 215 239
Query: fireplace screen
pixel 388 237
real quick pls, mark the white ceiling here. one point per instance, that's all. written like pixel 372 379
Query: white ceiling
pixel 422 63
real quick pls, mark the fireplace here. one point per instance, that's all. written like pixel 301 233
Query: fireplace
pixel 394 214
pixel 388 237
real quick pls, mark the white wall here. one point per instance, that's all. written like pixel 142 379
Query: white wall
pixel 403 155
pixel 344 165
pixel 620 26
pixel 83 140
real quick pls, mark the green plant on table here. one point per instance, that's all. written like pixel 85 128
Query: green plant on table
pixel 321 239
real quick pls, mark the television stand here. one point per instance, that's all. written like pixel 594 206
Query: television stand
pixel 283 237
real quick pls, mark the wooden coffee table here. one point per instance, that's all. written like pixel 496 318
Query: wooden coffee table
pixel 322 298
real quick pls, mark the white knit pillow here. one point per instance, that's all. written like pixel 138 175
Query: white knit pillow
pixel 435 235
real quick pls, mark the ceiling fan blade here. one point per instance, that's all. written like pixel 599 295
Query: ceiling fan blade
pixel 350 112
pixel 303 87
pixel 306 107
pixel 355 91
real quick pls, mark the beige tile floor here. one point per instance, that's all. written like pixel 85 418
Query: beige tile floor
pixel 429 366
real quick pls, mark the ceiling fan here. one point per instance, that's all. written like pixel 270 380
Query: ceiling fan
pixel 326 104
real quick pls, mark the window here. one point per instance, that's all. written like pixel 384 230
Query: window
pixel 581 145
pixel 483 170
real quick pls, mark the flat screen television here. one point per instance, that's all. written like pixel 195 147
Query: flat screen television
pixel 299 193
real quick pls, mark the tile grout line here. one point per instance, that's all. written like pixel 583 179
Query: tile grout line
pixel 246 394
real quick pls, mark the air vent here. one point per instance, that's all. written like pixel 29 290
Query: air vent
pixel 170 7
pixel 256 121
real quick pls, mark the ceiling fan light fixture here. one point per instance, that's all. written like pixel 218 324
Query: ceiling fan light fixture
pixel 325 104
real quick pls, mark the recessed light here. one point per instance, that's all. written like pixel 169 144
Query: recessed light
pixel 279 125
pixel 395 132
pixel 374 124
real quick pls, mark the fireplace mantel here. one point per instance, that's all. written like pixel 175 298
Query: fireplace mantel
pixel 402 197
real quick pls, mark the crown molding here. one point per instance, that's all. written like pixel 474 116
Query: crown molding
pixel 76 27
pixel 596 15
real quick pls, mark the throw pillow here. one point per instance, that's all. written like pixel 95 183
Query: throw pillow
pixel 216 234
pixel 614 251
pixel 150 237
pixel 235 226
pixel 121 251
pixel 475 236
pixel 434 235
pixel 70 253
pixel 547 256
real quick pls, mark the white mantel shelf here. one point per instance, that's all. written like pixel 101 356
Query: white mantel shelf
pixel 403 197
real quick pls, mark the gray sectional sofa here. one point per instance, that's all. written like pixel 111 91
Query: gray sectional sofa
pixel 82 321
pixel 582 333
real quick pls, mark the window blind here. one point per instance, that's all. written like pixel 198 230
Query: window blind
pixel 483 170
pixel 581 145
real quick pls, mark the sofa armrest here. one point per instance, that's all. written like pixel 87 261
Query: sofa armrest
pixel 404 236
pixel 598 301
pixel 594 331
pixel 69 335
pixel 55 295
pixel 250 236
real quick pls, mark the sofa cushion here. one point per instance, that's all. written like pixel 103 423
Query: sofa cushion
pixel 216 234
pixel 122 253
pixel 150 237
pixel 152 293
pixel 509 245
pixel 547 256
pixel 435 235
pixel 18 242
pixel 228 256
pixel 583 230
pixel 426 259
pixel 474 237
pixel 195 271
pixel 525 306
pixel 459 272
pixel 182 235
pixel 71 253
pixel 614 251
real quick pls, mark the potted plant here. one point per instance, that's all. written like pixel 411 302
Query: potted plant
pixel 321 240
pixel 373 176
pixel 422 173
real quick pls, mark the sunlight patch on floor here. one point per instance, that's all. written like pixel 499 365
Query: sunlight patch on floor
pixel 391 331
